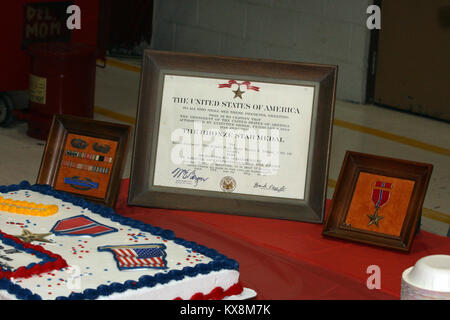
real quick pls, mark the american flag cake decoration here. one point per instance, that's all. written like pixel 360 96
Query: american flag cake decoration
pixel 138 256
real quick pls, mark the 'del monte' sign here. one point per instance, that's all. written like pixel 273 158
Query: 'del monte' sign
pixel 45 22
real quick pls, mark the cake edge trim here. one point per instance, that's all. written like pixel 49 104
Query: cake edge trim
pixel 219 261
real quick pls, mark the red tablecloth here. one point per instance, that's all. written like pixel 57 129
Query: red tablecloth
pixel 286 260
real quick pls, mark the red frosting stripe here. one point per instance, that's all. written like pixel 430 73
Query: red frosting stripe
pixel 23 272
pixel 218 293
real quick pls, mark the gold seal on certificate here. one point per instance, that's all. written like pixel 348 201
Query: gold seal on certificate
pixel 233 134
pixel 228 184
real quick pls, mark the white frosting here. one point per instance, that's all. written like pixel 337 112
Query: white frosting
pixel 12 258
pixel 89 268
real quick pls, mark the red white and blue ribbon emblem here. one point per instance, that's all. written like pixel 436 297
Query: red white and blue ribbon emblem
pixel 380 197
pixel 381 193
pixel 80 226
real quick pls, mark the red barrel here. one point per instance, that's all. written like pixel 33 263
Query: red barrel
pixel 62 81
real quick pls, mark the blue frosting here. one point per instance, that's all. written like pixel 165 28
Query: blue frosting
pixel 45 258
pixel 218 262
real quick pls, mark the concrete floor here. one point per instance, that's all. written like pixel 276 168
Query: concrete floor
pixel 363 128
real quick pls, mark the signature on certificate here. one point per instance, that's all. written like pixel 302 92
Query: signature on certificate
pixel 187 174
pixel 267 186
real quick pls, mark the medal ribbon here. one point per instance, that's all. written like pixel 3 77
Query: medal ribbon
pixel 245 83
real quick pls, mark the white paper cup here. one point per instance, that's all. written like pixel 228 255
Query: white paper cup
pixel 429 279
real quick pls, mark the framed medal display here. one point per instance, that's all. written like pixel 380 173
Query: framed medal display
pixel 378 200
pixel 85 157
pixel 233 135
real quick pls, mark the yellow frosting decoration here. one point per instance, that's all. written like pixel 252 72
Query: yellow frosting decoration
pixel 27 208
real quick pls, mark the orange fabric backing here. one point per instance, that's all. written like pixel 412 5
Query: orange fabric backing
pixel 101 178
pixel 393 212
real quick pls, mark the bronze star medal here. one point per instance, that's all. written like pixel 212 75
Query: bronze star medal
pixel 28 236
pixel 238 93
pixel 381 194
pixel 374 218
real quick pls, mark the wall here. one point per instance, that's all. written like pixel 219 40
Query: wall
pixel 414 45
pixel 320 31
pixel 124 24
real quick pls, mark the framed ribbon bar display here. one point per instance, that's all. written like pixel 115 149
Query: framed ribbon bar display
pixel 378 200
pixel 231 135
pixel 85 157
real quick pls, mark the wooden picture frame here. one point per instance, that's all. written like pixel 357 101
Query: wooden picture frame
pixel 212 79
pixel 378 200
pixel 85 157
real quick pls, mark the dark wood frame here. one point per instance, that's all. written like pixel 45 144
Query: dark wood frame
pixel 156 64
pixel 356 162
pixel 61 126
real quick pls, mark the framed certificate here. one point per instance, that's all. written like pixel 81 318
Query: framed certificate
pixel 85 157
pixel 378 200
pixel 230 135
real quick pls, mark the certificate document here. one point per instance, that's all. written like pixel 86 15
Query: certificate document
pixel 234 135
